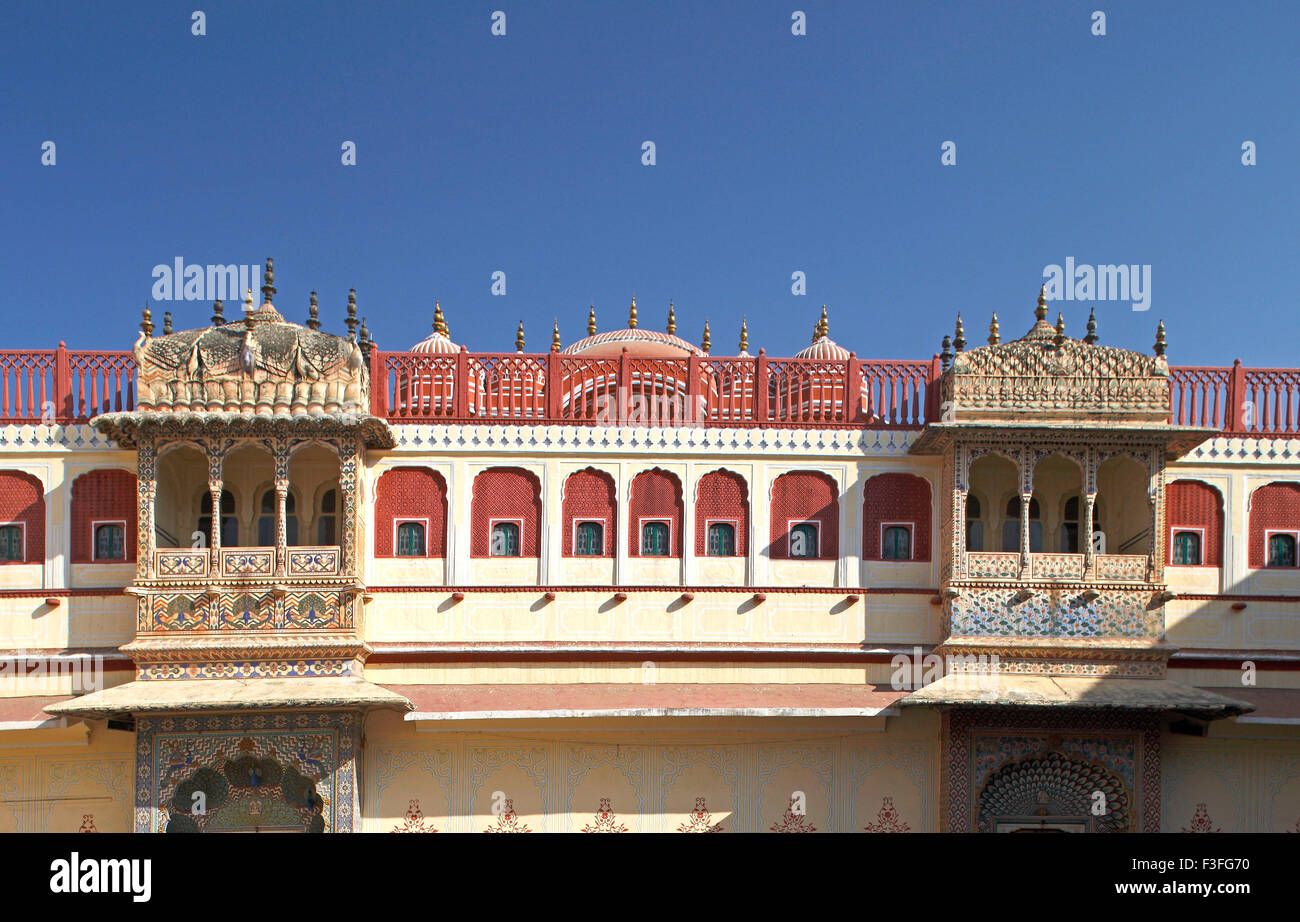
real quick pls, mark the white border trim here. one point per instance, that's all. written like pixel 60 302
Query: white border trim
pixel 1295 534
pixel 410 518
pixel 1200 530
pixel 735 532
pixel 573 537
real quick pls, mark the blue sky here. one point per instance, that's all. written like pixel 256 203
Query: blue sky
pixel 775 154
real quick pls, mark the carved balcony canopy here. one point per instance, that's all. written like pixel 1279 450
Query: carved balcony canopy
pixel 1051 382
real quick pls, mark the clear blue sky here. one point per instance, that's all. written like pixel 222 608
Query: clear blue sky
pixel 775 153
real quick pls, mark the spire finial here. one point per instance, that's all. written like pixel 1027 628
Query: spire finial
pixel 519 337
pixel 706 343
pixel 959 339
pixel 218 317
pixel 268 282
pixel 744 335
pixel 352 314
pixel 1160 339
pixel 1040 312
pixel 672 319
pixel 248 301
pixel 631 315
pixel 823 328
pixel 995 336
pixel 439 322
pixel 1091 338
pixel 555 336
pixel 1059 338
pixel 147 323
pixel 945 354
pixel 365 342
pixel 167 322
pixel 591 320
pixel 313 314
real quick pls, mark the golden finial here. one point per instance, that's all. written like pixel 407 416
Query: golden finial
pixel 823 328
pixel 959 339
pixel 744 336
pixel 519 338
pixel 706 343
pixel 1160 339
pixel 1040 312
pixel 631 315
pixel 1059 338
pixel 248 300
pixel 439 322
pixel 591 321
pixel 146 325
pixel 1091 337
pixel 555 336
pixel 672 319
pixel 994 335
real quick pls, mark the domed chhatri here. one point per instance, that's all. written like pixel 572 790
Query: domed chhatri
pixel 261 365
pixel 638 341
pixel 823 348
pixel 439 341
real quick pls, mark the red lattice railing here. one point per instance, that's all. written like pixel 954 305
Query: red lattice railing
pixel 62 386
pixel 1250 401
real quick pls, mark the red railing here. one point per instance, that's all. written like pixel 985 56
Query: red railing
pixel 629 390
pixel 65 386
pixel 1250 401
pixel 62 386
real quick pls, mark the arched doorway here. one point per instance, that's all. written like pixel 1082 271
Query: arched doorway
pixel 1054 792
pixel 250 793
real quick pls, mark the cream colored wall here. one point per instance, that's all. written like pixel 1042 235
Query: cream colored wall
pixel 556 772
pixel 652 616
pixel 1243 782
pixel 51 780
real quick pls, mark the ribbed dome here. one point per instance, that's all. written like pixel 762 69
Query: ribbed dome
pixel 649 343
pixel 436 343
pixel 823 348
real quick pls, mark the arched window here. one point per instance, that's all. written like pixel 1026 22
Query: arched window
pixel 410 539
pixel 803 540
pixel 974 527
pixel 1281 549
pixel 1187 548
pixel 1011 527
pixel 1195 507
pixel 402 494
pixel 1069 538
pixel 721 498
pixel 505 539
pixel 896 542
pixel 326 522
pixel 266 520
pixel 1274 524
pixel 654 539
pixel 110 541
pixel 722 539
pixel 229 524
pixel 589 539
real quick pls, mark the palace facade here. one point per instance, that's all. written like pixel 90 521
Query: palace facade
pixel 258 576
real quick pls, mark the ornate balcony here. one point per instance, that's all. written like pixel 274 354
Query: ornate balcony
pixel 303 564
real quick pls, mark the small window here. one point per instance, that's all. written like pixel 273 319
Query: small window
pixel 410 539
pixel 654 539
pixel 589 539
pixel 1187 548
pixel 974 527
pixel 896 542
pixel 326 530
pixel 505 539
pixel 11 543
pixel 1281 550
pixel 803 540
pixel 110 541
pixel 722 539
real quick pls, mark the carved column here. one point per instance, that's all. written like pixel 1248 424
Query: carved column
pixel 280 452
pixel 1089 507
pixel 216 452
pixel 348 485
pixel 146 492
pixel 1026 497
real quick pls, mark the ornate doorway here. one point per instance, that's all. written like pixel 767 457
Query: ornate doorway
pixel 1054 792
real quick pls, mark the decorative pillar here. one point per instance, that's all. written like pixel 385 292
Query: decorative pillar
pixel 1089 504
pixel 146 492
pixel 280 452
pixel 216 454
pixel 348 457
pixel 1026 497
